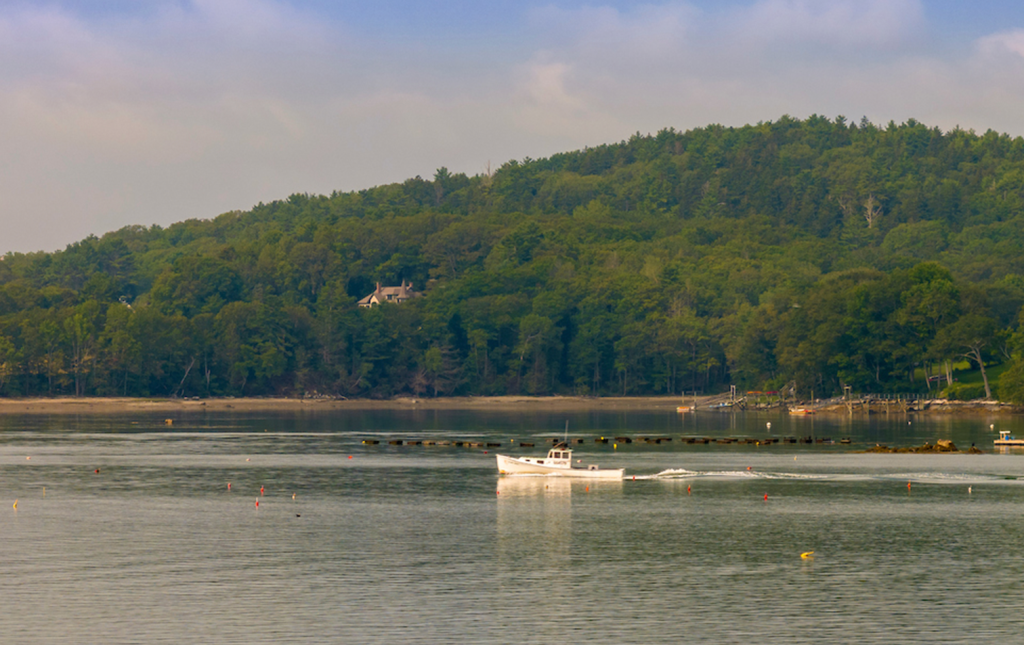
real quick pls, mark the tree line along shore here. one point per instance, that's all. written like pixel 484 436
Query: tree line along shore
pixel 810 257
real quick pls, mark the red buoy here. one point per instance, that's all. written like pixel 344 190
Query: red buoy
pixel 261 490
pixel 687 490
pixel 257 503
pixel 766 497
pixel 229 485
pixel 96 471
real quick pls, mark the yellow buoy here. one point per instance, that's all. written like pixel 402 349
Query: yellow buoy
pixel 615 446
pixel 15 504
pixel 807 555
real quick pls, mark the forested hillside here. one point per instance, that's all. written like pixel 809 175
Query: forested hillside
pixel 793 254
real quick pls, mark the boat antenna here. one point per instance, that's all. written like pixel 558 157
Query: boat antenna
pixel 566 437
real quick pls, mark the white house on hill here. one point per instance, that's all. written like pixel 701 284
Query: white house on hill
pixel 396 295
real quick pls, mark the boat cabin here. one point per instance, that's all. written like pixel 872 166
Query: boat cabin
pixel 558 457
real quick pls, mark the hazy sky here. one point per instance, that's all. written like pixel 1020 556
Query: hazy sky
pixel 151 111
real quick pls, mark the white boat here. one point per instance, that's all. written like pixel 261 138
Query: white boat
pixel 558 463
pixel 1007 439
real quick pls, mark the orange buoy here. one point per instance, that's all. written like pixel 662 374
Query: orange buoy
pixel 261 490
pixel 229 485
pixel 687 490
pixel 96 471
pixel 766 497
pixel 350 456
pixel 908 485
pixel 257 503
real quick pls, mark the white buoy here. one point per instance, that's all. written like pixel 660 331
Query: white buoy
pixel 769 425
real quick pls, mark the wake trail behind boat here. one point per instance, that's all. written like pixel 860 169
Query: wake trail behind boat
pixel 750 475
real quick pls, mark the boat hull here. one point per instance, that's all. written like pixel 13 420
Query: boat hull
pixel 513 466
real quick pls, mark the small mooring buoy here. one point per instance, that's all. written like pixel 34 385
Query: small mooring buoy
pixel 807 555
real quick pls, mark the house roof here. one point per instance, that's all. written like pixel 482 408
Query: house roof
pixel 390 294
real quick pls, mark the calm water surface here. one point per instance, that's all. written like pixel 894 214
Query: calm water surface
pixel 421 544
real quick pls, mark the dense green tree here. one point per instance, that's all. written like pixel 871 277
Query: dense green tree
pixel 805 255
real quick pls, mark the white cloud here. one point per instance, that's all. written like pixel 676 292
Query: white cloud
pixel 1002 43
pixel 830 23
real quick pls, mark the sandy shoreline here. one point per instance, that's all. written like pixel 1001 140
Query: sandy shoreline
pixel 113 405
